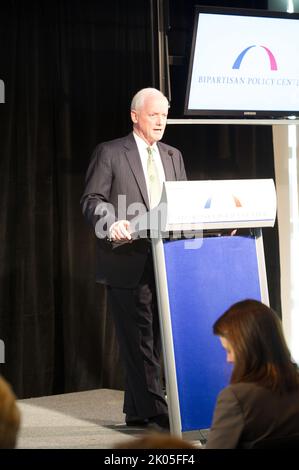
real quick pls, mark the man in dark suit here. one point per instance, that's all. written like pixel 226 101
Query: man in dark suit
pixel 126 175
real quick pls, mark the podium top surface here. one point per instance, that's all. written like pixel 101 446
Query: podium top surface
pixel 217 204
pixel 209 205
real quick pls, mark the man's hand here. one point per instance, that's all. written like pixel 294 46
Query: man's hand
pixel 119 231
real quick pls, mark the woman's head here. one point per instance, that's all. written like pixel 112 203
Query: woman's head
pixel 230 353
pixel 252 334
pixel 9 416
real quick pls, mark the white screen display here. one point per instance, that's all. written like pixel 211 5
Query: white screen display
pixel 244 63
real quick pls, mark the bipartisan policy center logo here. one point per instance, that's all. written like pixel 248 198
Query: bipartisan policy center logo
pixel 252 66
pixel 232 199
pixel 239 59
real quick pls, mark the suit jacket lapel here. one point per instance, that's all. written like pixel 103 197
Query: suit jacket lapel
pixel 136 167
pixel 167 163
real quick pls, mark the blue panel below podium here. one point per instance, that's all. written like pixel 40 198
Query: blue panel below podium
pixel 202 284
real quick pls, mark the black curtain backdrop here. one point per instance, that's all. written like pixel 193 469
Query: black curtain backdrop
pixel 70 69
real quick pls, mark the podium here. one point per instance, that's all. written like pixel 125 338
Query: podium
pixel 200 271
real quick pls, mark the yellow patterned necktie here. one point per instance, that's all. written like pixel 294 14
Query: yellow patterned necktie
pixel 154 185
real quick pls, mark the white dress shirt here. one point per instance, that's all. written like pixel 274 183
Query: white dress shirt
pixel 142 149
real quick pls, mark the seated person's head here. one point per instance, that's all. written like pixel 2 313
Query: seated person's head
pixel 252 335
pixel 9 416
pixel 156 441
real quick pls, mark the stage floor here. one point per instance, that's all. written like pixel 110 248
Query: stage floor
pixel 83 420
pixel 90 419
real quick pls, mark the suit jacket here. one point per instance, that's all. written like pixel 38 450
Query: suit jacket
pixel 246 413
pixel 115 169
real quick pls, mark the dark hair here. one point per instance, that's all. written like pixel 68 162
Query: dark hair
pixel 261 353
pixel 156 441
pixel 9 416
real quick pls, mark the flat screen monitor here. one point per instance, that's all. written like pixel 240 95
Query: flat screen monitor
pixel 244 63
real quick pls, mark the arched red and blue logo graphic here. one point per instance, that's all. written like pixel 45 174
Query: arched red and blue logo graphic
pixel 239 59
pixel 236 200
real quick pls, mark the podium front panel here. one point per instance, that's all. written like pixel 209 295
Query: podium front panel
pixel 202 283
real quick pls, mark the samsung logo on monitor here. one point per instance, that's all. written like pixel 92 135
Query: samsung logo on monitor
pixel 249 113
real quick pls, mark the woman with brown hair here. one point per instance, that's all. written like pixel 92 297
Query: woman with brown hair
pixel 262 400
pixel 9 416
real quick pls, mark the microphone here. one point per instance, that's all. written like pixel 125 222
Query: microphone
pixel 170 153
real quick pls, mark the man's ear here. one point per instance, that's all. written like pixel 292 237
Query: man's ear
pixel 134 116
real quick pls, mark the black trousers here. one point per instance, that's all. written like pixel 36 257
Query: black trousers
pixel 137 327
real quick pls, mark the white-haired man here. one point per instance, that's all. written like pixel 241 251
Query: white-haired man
pixel 133 168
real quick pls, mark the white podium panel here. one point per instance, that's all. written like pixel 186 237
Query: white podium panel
pixel 219 204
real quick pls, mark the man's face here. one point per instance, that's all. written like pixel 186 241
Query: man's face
pixel 150 120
